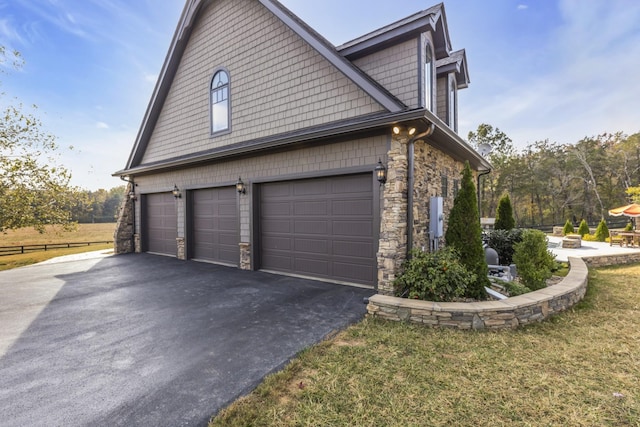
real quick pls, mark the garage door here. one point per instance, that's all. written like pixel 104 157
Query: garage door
pixel 321 227
pixel 161 224
pixel 215 225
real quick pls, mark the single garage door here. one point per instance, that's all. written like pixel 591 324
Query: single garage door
pixel 321 227
pixel 161 224
pixel 215 225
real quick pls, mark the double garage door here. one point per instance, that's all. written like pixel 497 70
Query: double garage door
pixel 213 225
pixel 321 227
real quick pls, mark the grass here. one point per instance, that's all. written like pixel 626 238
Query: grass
pixel 29 236
pixel 580 368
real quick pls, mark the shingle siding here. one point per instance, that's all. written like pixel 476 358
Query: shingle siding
pixel 395 68
pixel 279 83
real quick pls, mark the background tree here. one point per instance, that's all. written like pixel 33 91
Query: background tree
pixel 34 186
pixel 504 214
pixel 465 235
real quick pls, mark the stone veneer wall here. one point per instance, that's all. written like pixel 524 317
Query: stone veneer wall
pixel 504 314
pixel 392 248
pixel 123 235
pixel 430 165
pixel 607 260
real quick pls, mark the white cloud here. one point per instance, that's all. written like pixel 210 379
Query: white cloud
pixel 522 7
pixel 151 78
pixel 102 125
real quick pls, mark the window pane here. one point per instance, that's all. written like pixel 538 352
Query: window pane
pixel 428 79
pixel 219 116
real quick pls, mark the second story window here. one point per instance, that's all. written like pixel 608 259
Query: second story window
pixel 428 79
pixel 220 102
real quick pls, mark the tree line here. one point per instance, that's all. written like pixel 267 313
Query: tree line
pixel 550 183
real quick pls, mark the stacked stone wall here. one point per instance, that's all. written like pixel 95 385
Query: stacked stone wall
pixel 123 242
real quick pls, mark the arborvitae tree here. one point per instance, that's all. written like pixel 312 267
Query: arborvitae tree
pixel 583 228
pixel 504 214
pixel 602 232
pixel 465 235
pixel 568 228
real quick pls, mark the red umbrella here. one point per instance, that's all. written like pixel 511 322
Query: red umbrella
pixel 632 210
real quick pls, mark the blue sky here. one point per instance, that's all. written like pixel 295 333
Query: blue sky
pixel 544 69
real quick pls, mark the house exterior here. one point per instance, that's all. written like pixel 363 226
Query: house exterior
pixel 249 94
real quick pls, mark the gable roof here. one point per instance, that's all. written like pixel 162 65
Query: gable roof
pixel 455 63
pixel 432 19
pixel 179 42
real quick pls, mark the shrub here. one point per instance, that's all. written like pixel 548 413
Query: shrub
pixel 568 228
pixel 504 214
pixel 434 276
pixel 602 232
pixel 465 235
pixel 502 241
pixel 533 260
pixel 514 288
pixel 628 227
pixel 589 238
pixel 583 228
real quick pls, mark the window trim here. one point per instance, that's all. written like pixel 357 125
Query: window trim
pixel 428 77
pixel 226 130
pixel 452 103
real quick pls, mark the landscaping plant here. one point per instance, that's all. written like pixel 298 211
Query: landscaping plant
pixel 602 232
pixel 434 276
pixel 504 214
pixel 503 241
pixel 583 228
pixel 533 260
pixel 568 228
pixel 465 235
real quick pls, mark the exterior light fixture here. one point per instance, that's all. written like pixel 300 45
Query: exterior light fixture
pixel 132 195
pixel 412 131
pixel 176 192
pixel 240 186
pixel 381 172
pixel 396 130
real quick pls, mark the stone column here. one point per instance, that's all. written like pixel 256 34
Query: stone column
pixel 182 254
pixel 137 243
pixel 123 234
pixel 393 222
pixel 245 256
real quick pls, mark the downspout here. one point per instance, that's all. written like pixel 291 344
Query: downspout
pixel 133 210
pixel 480 174
pixel 410 182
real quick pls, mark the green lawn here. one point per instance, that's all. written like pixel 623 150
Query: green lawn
pixel 581 368
pixel 29 236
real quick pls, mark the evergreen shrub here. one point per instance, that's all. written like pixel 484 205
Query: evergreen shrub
pixel 503 241
pixel 533 259
pixel 568 228
pixel 504 214
pixel 434 276
pixel 602 232
pixel 583 228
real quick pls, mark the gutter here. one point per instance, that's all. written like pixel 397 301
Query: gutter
pixel 410 183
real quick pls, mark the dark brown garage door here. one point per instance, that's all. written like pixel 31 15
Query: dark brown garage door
pixel 321 227
pixel 161 224
pixel 215 225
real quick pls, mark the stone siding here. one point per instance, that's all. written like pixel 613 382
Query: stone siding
pixel 123 242
pixel 509 313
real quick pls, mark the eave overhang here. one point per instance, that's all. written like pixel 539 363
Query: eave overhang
pixel 442 138
pixel 455 63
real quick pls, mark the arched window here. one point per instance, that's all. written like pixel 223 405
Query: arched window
pixel 220 102
pixel 428 78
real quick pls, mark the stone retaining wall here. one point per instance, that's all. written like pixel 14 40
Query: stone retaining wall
pixel 505 314
pixel 607 260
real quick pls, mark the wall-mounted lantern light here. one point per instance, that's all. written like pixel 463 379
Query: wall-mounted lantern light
pixel 132 195
pixel 240 186
pixel 397 129
pixel 176 192
pixel 381 172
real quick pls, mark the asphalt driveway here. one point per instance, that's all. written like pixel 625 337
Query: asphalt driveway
pixel 149 340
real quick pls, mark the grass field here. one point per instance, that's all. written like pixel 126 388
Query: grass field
pixel 29 236
pixel 580 368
